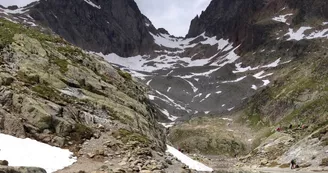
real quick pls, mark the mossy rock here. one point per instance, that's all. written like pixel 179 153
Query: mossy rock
pixel 80 132
pixel 125 136
pixel 45 122
pixel 61 63
pixel 48 93
pixel 324 162
pixel 28 78
pixel 124 74
pixel 9 29
pixel 285 165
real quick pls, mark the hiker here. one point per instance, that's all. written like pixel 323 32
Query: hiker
pixel 278 129
pixel 290 126
pixel 293 164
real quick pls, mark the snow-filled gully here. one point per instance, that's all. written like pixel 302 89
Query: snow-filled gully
pixel 192 164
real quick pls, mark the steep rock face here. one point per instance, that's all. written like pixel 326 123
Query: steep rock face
pixel 245 22
pixel 225 19
pixel 56 93
pixel 98 25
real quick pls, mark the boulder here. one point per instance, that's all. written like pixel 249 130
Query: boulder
pixel 4 163
pixel 6 169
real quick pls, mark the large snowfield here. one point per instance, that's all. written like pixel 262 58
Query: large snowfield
pixel 28 152
pixel 192 164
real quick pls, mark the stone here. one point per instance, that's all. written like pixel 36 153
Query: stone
pixel 264 161
pixel 4 163
pixel 100 152
pixel 122 163
pixel 118 170
pixel 168 161
pixel 58 141
pixel 145 171
pixel 91 155
pixel 8 169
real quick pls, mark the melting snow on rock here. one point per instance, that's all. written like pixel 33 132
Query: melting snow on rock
pixel 28 152
pixel 187 160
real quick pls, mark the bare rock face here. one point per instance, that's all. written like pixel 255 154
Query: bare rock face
pixel 245 22
pixel 100 26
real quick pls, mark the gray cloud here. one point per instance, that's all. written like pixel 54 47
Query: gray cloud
pixel 173 15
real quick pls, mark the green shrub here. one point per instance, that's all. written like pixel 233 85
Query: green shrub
pixel 80 132
pixel 126 136
pixel 125 75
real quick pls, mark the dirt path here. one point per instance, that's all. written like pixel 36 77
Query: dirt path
pixel 278 170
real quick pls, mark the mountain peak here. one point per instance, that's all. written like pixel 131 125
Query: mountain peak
pixel 99 26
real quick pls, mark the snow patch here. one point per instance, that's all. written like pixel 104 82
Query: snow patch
pixel 259 75
pixel 274 64
pixel 208 95
pixel 172 102
pixel 192 164
pixel 227 119
pixel 318 34
pixel 192 86
pixel 170 117
pixel 207 112
pixel 240 69
pixel 92 4
pixel 28 152
pixel 168 89
pixel 151 97
pixel 237 80
pixel 218 92
pixel 254 87
pixel 149 81
pixel 230 109
pixel 299 34
pixel 282 18
pixel 167 125
pixel 265 83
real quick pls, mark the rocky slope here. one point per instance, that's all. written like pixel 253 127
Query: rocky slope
pixel 56 93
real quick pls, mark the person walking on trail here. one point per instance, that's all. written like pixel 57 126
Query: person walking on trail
pixel 290 126
pixel 293 164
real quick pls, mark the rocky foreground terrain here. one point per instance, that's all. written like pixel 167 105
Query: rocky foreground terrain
pixel 245 90
pixel 56 93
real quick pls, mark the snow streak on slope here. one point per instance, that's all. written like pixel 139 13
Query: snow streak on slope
pixel 240 69
pixel 92 4
pixel 282 18
pixel 28 152
pixel 192 164
pixel 301 34
pixel 170 42
pixel 139 63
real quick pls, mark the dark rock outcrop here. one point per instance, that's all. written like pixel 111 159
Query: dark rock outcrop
pixel 99 25
pixel 246 22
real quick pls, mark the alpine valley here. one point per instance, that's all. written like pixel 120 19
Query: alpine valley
pixel 93 86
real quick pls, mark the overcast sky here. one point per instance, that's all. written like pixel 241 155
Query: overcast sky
pixel 173 15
